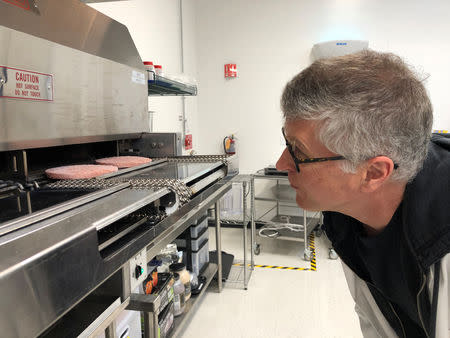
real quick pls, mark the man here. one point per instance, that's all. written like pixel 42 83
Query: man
pixel 359 148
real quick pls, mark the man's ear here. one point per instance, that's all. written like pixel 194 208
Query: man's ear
pixel 376 172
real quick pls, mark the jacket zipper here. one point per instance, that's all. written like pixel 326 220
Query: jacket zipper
pixel 423 276
pixel 392 308
pixel 418 304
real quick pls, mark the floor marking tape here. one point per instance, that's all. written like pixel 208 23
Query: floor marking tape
pixel 313 264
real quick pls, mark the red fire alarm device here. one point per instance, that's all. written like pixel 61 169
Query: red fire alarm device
pixel 188 142
pixel 230 70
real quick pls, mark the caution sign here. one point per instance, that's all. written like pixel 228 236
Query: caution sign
pixel 25 4
pixel 24 84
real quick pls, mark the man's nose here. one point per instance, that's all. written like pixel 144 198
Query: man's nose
pixel 285 162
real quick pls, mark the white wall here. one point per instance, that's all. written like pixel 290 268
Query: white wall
pixel 155 28
pixel 270 41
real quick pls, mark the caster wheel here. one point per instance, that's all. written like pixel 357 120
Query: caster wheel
pixel 318 232
pixel 332 254
pixel 257 249
pixel 307 255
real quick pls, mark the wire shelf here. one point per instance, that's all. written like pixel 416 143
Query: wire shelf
pixel 164 86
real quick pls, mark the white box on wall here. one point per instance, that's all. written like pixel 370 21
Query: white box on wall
pixel 328 49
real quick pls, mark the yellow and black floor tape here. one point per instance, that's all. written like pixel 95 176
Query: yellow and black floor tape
pixel 313 264
pixel 312 247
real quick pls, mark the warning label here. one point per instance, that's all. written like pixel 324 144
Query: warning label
pixel 24 84
pixel 25 4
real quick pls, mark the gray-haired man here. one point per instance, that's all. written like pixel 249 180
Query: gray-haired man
pixel 359 148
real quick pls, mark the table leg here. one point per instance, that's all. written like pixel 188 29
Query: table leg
pixel 218 246
pixel 244 224
pixel 252 222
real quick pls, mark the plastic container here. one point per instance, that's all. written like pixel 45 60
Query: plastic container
pixel 185 278
pixel 196 260
pixel 194 281
pixel 199 226
pixel 178 296
pixel 167 256
pixel 150 69
pixel 158 70
pixel 196 243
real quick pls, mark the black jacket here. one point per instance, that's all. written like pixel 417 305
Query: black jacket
pixel 425 236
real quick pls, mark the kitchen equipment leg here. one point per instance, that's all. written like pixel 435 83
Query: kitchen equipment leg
pixel 218 246
pixel 307 253
pixel 252 222
pixel 110 331
pixel 244 224
pixel 150 324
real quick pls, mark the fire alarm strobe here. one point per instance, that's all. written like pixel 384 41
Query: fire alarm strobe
pixel 188 142
pixel 230 70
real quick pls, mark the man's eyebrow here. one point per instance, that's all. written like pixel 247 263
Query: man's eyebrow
pixel 298 144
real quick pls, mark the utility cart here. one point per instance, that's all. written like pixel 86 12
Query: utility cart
pixel 275 212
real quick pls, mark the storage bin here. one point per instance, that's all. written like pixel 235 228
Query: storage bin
pixel 197 260
pixel 162 292
pixel 197 228
pixel 196 243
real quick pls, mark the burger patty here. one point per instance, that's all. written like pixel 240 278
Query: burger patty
pixel 124 161
pixel 73 172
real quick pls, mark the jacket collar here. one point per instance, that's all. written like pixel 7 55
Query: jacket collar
pixel 426 205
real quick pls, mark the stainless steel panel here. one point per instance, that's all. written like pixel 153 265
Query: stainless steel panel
pixel 160 144
pixel 112 310
pixel 216 176
pixel 93 96
pixel 30 144
pixel 127 170
pixel 49 212
pixel 73 24
pixel 185 172
pixel 46 268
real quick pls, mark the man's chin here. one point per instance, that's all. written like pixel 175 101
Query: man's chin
pixel 307 206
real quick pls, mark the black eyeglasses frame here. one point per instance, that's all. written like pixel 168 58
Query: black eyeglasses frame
pixel 298 161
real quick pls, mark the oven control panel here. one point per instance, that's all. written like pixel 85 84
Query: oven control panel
pixel 138 268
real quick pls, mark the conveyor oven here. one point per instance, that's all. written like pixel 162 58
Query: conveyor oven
pixel 59 240
pixel 73 89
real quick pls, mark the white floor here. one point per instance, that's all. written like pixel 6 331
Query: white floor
pixel 278 303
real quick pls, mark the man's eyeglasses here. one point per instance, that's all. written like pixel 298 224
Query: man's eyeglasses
pixel 298 161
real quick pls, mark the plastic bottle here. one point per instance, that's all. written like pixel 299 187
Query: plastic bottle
pixel 149 65
pixel 178 296
pixel 158 70
pixel 185 277
pixel 150 69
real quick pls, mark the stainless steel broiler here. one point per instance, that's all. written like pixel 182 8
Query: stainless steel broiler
pixel 73 89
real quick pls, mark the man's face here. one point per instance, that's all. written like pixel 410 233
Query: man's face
pixel 321 185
